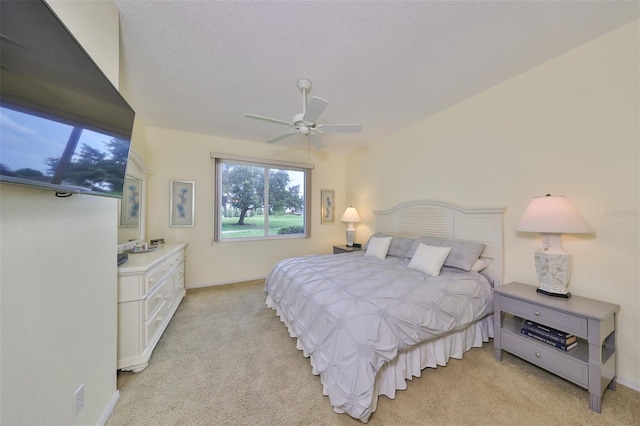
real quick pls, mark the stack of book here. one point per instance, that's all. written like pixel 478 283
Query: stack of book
pixel 550 336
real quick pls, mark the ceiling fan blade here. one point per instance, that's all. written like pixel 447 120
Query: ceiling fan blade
pixel 339 128
pixel 270 120
pixel 315 141
pixel 282 136
pixel 314 109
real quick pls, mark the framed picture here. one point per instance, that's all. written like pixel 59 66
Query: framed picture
pixel 328 206
pixel 182 204
pixel 130 203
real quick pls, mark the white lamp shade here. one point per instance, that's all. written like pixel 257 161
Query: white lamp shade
pixel 552 215
pixel 351 215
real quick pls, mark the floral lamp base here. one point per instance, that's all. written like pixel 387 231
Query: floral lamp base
pixel 554 270
pixel 351 237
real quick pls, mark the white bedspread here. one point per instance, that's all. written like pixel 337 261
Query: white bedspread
pixel 352 314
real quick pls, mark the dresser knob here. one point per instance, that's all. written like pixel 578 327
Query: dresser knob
pixel 537 313
pixel 537 355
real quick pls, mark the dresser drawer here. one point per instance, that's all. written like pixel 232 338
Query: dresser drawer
pixel 549 358
pixel 156 298
pixel 174 261
pixel 154 276
pixel 178 277
pixel 559 320
pixel 178 258
pixel 153 325
pixel 161 271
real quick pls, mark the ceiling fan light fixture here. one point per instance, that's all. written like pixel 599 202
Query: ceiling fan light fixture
pixel 304 123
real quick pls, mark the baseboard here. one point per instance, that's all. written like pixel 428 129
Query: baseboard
pixel 237 281
pixel 109 409
pixel 628 383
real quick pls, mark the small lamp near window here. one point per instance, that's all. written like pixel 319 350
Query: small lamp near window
pixel 552 216
pixel 351 216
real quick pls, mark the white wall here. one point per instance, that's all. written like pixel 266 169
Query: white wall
pixel 186 156
pixel 568 127
pixel 58 315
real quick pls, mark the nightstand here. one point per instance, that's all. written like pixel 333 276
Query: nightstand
pixel 593 364
pixel 345 249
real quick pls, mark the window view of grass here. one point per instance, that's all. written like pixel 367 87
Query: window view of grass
pixel 259 201
pixel 254 225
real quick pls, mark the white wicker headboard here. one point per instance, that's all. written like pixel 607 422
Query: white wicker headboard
pixel 449 221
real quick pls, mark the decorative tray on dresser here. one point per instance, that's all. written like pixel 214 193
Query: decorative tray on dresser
pixel 150 288
pixel 592 363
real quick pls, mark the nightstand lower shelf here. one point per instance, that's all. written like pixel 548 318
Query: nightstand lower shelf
pixel 572 365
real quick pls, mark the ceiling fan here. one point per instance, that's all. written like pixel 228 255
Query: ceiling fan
pixel 305 122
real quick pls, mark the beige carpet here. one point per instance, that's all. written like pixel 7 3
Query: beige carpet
pixel 226 359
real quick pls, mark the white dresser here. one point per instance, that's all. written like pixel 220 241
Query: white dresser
pixel 150 288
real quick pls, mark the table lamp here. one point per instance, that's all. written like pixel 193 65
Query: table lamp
pixel 351 216
pixel 552 216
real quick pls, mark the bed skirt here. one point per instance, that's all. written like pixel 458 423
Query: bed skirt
pixel 410 362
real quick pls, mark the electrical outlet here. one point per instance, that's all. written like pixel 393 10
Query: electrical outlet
pixel 78 399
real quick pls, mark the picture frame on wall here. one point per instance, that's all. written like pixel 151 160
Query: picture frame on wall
pixel 182 206
pixel 130 203
pixel 328 206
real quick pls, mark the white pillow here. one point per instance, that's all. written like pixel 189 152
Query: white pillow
pixel 429 259
pixel 378 247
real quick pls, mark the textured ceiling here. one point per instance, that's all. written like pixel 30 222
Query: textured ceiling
pixel 200 66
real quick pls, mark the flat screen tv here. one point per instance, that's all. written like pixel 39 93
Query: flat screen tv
pixel 63 125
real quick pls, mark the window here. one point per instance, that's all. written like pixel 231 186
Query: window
pixel 256 200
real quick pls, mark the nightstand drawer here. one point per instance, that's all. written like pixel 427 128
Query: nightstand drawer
pixel 549 358
pixel 559 320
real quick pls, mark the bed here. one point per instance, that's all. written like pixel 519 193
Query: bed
pixel 417 294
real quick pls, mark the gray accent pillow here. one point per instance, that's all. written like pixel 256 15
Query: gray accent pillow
pixel 430 241
pixel 463 253
pixel 399 245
